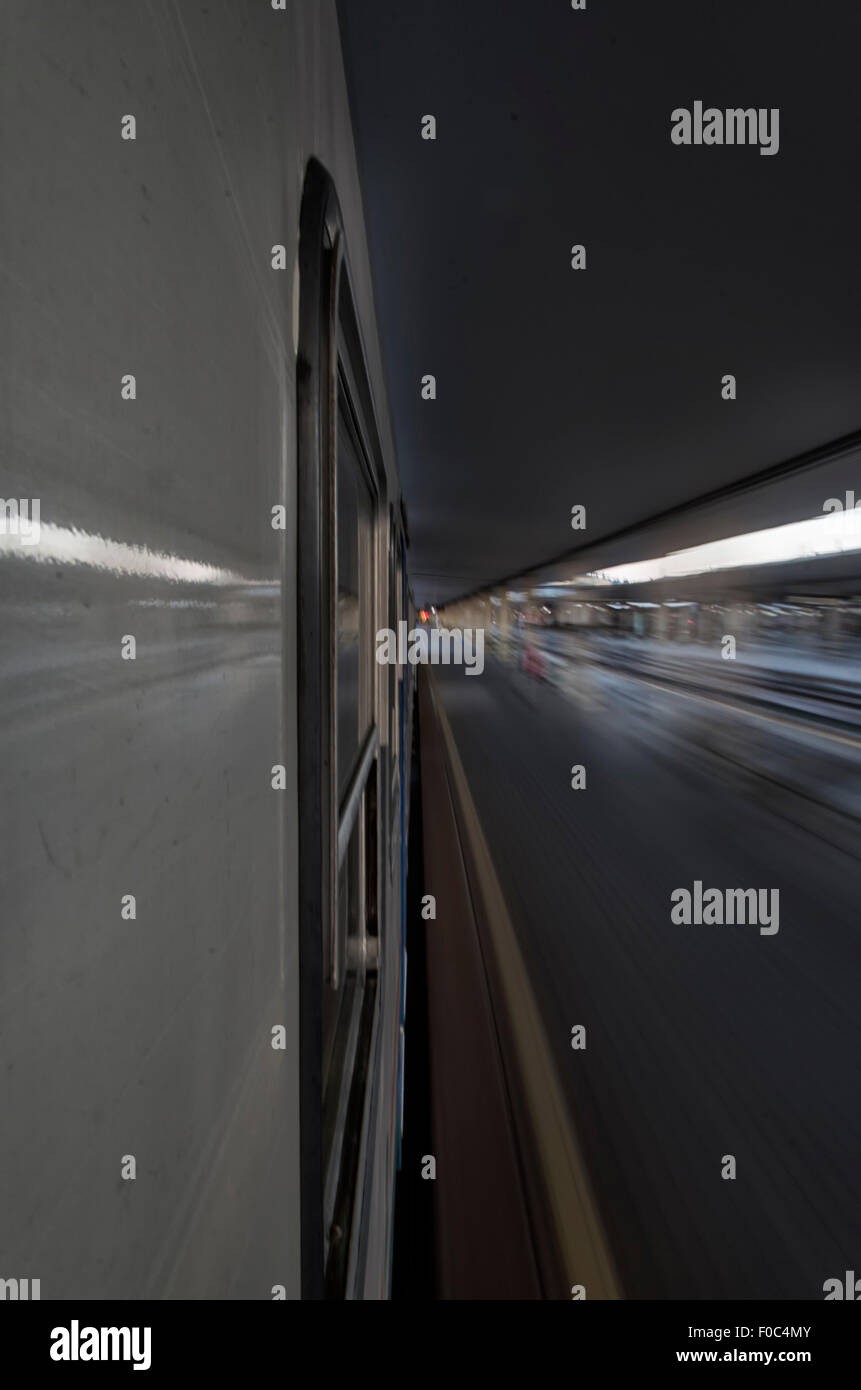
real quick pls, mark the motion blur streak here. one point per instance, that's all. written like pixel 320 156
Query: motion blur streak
pixel 836 533
pixel 70 546
pixel 702 1041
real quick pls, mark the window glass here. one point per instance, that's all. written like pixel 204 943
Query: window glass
pixel 339 1005
pixel 355 638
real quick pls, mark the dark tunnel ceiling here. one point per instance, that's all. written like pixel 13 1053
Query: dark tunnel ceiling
pixel 601 387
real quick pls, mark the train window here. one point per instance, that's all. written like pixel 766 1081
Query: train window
pixel 349 990
pixel 343 748
pixel 341 1005
pixel 354 525
pixel 394 673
